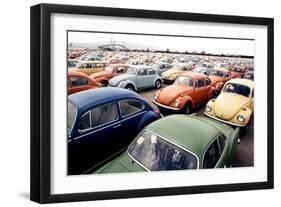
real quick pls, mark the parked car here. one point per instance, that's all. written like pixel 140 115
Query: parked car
pixel 90 67
pixel 74 55
pixel 237 72
pixel 109 72
pixel 188 91
pixel 178 142
pixel 170 75
pixel 203 70
pixel 218 78
pixel 161 67
pixel 235 104
pixel 97 120
pixel 77 81
pixel 249 75
pixel 135 62
pixel 116 61
pixel 136 78
pixel 71 63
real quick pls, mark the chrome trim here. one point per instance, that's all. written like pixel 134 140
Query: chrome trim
pixel 226 122
pixel 167 107
pixel 184 149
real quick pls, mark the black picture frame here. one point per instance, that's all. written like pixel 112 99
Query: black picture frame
pixel 41 95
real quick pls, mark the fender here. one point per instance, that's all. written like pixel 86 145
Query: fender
pixel 149 117
pixel 211 91
pixel 100 79
pixel 124 83
pixel 185 99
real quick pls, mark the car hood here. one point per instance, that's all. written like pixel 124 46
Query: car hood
pixel 227 105
pixel 170 72
pixel 101 74
pixel 123 163
pixel 170 93
pixel 215 79
pixel 117 79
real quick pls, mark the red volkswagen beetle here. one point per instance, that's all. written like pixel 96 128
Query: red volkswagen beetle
pixel 77 81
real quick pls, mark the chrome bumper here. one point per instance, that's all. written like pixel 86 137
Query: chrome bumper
pixel 166 107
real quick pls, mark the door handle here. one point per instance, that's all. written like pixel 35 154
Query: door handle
pixel 116 126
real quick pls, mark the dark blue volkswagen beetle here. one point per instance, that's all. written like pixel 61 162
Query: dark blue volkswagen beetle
pixel 101 122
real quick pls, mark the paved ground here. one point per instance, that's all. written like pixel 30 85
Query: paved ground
pixel 244 155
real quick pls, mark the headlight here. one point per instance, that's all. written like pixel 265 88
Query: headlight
pixel 240 118
pixel 208 108
pixel 177 103
pixel 156 96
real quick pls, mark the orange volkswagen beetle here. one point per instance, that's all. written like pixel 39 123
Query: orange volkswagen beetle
pixel 218 78
pixel 188 91
pixel 77 81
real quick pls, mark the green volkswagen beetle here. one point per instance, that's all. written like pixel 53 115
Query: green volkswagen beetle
pixel 178 142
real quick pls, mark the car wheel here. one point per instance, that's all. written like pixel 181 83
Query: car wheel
pixel 158 84
pixel 130 87
pixel 104 84
pixel 187 109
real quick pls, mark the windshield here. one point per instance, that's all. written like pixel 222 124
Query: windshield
pixel 71 115
pixel 108 69
pixel 217 73
pixel 184 80
pixel 157 154
pixel 237 88
pixel 132 71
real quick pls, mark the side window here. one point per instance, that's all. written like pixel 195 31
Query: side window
pixel 200 83
pixel 208 81
pixel 143 72
pixel 85 122
pixel 78 81
pixel 120 70
pixel 222 143
pixel 253 93
pixel 128 107
pixel 212 155
pixel 103 114
pixel 151 72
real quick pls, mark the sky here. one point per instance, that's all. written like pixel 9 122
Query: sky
pixel 209 45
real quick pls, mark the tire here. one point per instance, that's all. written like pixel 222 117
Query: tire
pixel 158 84
pixel 130 87
pixel 104 84
pixel 187 108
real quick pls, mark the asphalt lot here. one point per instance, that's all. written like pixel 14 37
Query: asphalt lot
pixel 244 155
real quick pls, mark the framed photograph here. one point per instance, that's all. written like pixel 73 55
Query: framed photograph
pixel 133 103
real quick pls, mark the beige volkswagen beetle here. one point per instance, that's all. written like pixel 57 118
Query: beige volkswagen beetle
pixel 235 104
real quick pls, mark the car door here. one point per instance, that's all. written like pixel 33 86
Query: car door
pixel 207 88
pixel 77 84
pixel 151 77
pixel 212 155
pixel 227 76
pixel 97 135
pixel 131 113
pixel 141 79
pixel 199 91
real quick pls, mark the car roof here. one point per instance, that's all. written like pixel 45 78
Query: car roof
pixel 89 98
pixel 77 73
pixel 118 65
pixel 190 132
pixel 242 81
pixel 194 75
pixel 220 69
pixel 139 67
